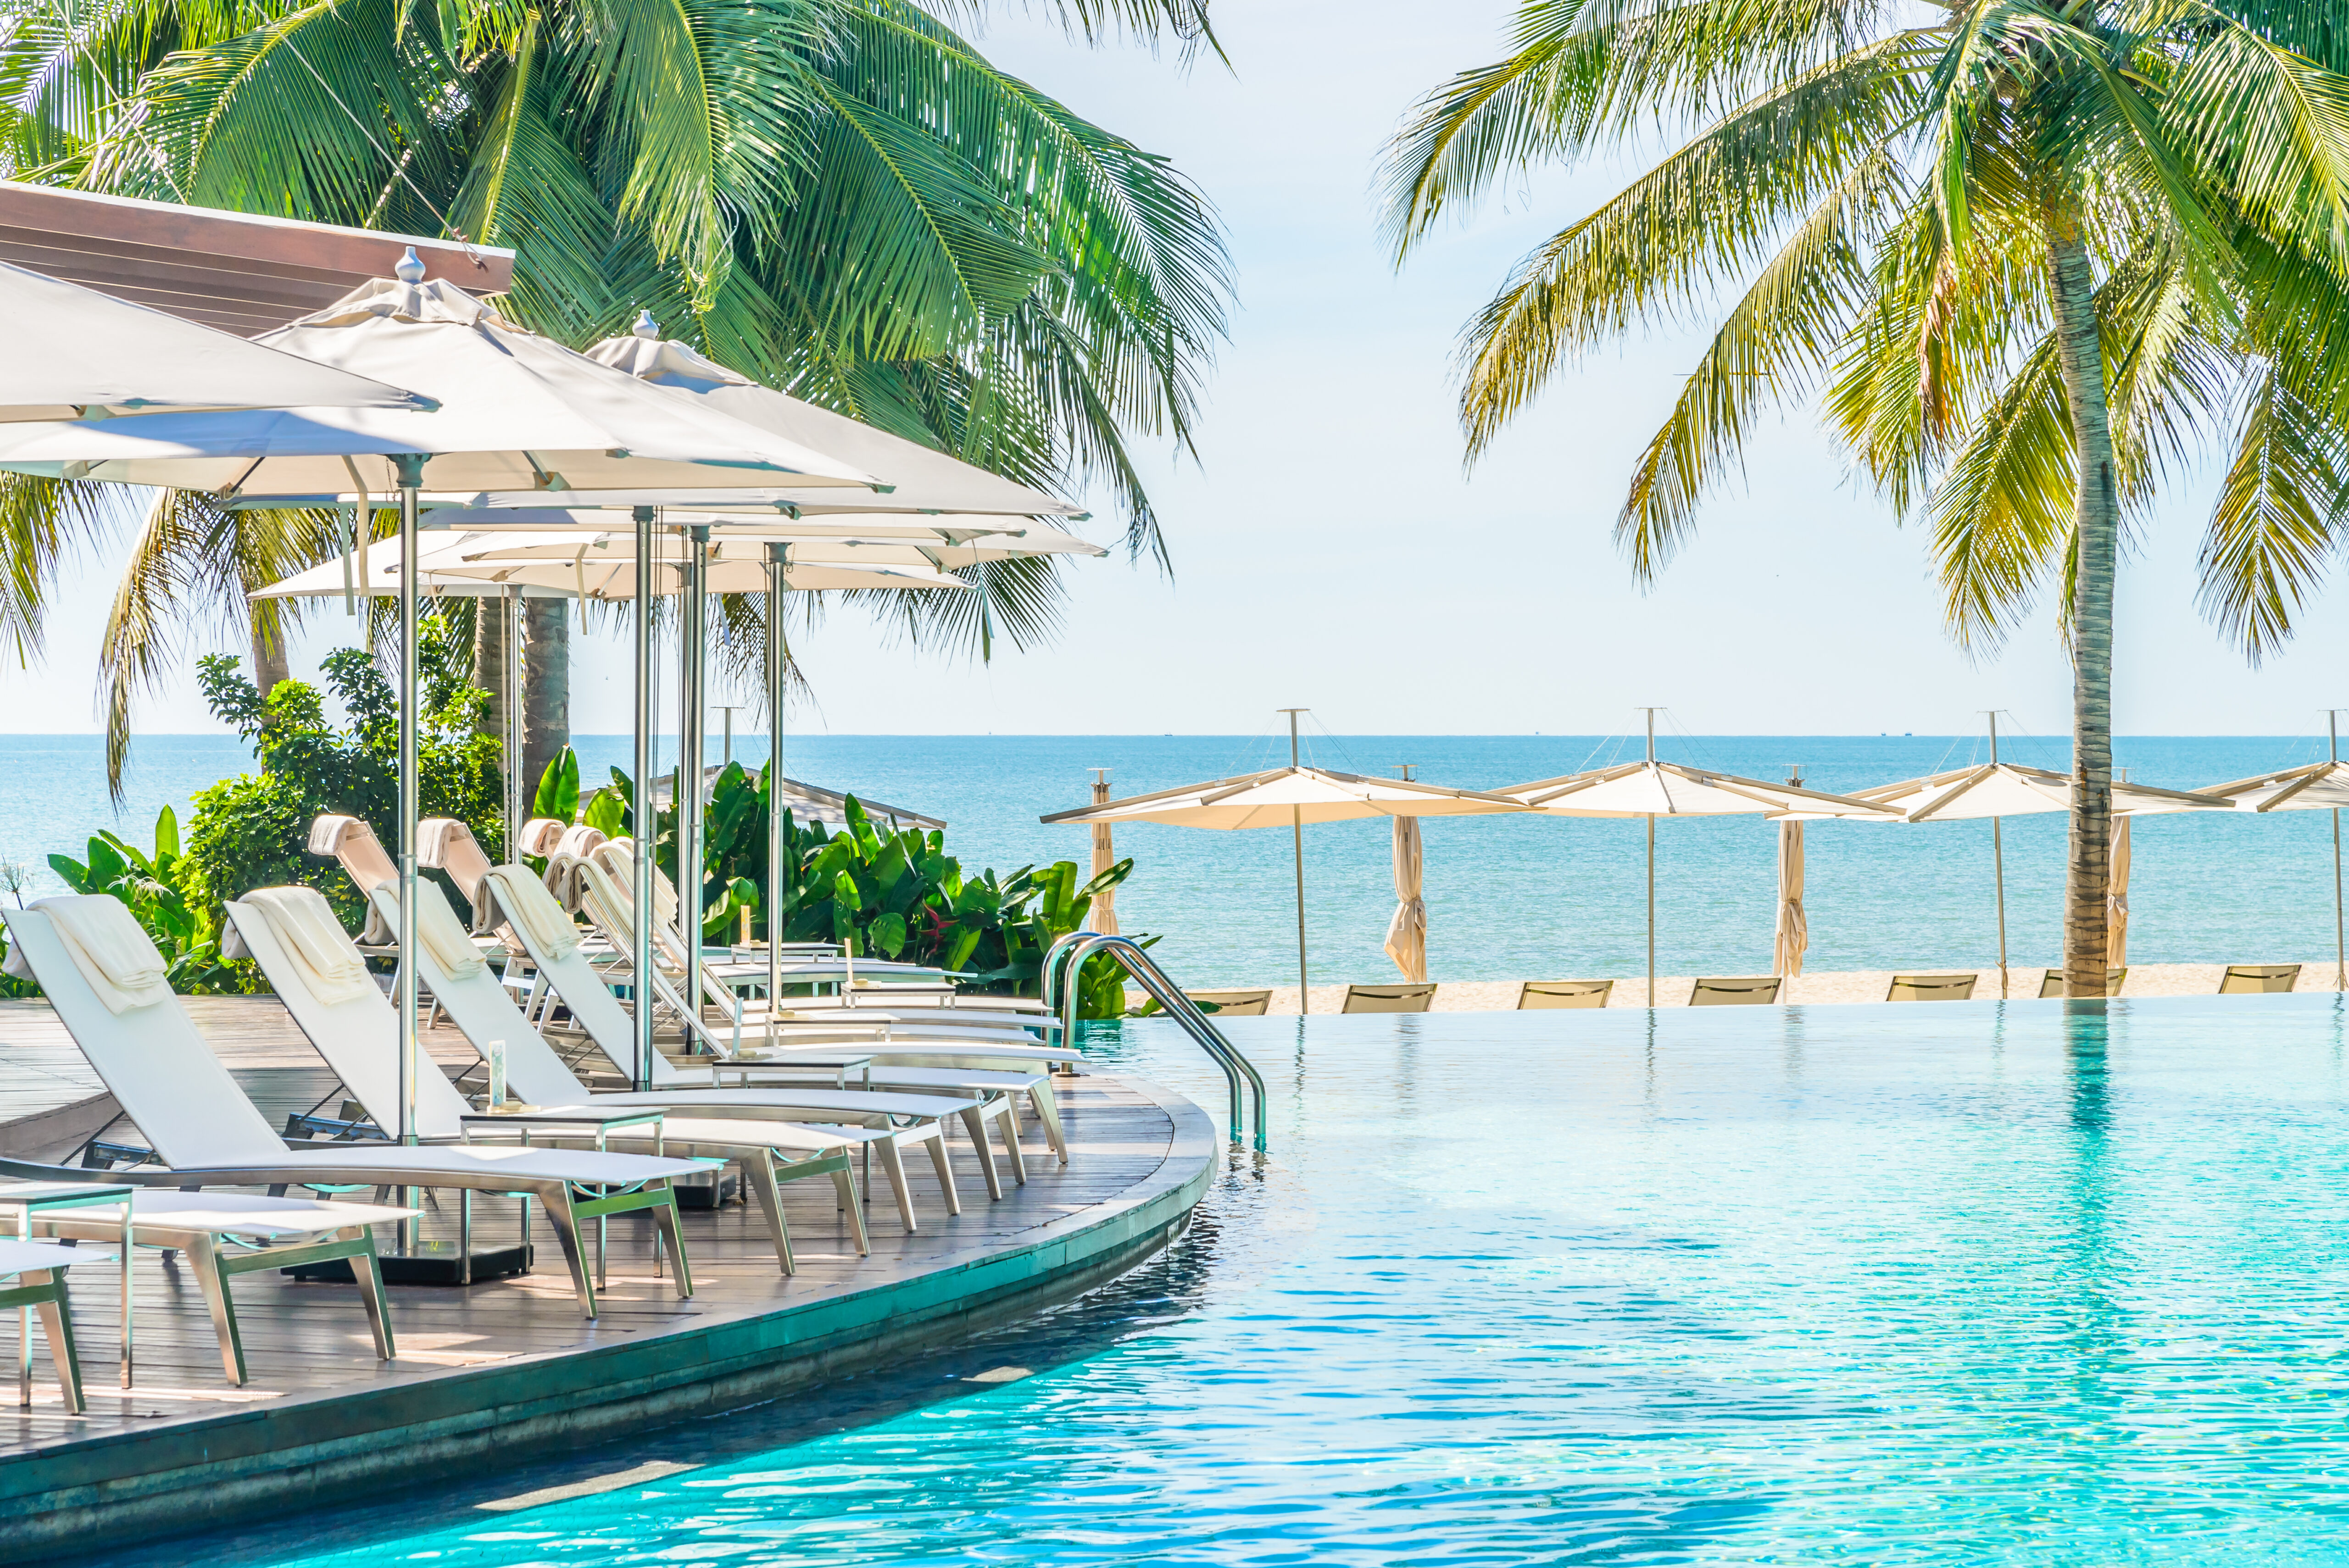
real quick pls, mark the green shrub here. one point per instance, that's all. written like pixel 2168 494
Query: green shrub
pixel 153 886
pixel 253 830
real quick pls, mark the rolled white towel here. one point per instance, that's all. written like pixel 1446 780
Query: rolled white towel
pixel 117 958
pixel 305 925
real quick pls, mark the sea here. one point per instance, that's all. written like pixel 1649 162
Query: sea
pixel 1508 897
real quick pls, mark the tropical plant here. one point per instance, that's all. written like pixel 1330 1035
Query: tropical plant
pixel 842 198
pixel 876 890
pixel 253 830
pixel 2029 249
pixel 150 883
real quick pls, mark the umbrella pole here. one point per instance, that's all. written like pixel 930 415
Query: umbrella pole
pixel 2340 930
pixel 1651 909
pixel 410 472
pixel 776 848
pixel 691 740
pixel 1998 876
pixel 1297 844
pixel 516 787
pixel 640 808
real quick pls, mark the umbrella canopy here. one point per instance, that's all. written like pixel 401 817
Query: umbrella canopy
pixel 1652 788
pixel 1282 795
pixel 938 543
pixel 1407 933
pixel 379 576
pixel 920 478
pixel 516 410
pixel 1290 798
pixel 77 353
pixel 2319 786
pixel 603 566
pixel 2010 790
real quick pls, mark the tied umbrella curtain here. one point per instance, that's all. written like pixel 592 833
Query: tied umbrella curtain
pixel 1794 929
pixel 1103 916
pixel 2117 910
pixel 1407 933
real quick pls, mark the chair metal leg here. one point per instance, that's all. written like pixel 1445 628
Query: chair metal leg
pixel 893 1165
pixel 843 1181
pixel 369 1276
pixel 204 1253
pixel 758 1174
pixel 672 1229
pixel 974 1121
pixel 937 1142
pixel 1048 1111
pixel 56 1322
pixel 1006 1111
pixel 566 1233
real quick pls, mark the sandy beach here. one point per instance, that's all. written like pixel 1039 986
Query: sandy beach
pixel 1811 990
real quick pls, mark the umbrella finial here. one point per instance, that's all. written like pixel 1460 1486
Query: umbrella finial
pixel 646 325
pixel 411 269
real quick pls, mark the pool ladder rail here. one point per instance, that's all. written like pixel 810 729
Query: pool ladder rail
pixel 1066 958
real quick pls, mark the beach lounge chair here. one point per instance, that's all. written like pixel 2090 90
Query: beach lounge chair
pixel 357 1034
pixel 1411 998
pixel 1541 994
pixel 760 1024
pixel 2250 979
pixel 33 1274
pixel 979 1095
pixel 224 1234
pixel 142 1045
pixel 352 845
pixel 1250 1003
pixel 565 865
pixel 1745 991
pixel 2052 983
pixel 540 835
pixel 1931 988
pixel 446 844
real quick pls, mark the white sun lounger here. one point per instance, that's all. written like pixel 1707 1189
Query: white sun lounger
pixel 204 1128
pixel 883 1122
pixel 38 1272
pixel 951 1063
pixel 209 1227
pixel 358 1037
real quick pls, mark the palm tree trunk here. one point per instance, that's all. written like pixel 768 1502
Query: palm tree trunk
pixel 2096 527
pixel 268 651
pixel 490 663
pixel 546 687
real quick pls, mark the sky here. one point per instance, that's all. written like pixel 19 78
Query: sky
pixel 1332 551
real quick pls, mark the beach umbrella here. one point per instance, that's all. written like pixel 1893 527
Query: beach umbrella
pixel 513 408
pixel 1794 934
pixel 603 566
pixel 1101 915
pixel 1999 790
pixel 2318 787
pixel 1651 789
pixel 1293 797
pixel 77 353
pixel 1407 931
pixel 920 479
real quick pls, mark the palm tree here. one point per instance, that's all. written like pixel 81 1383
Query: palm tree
pixel 839 197
pixel 2026 250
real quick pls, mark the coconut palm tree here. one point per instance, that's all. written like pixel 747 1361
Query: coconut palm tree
pixel 2023 252
pixel 842 198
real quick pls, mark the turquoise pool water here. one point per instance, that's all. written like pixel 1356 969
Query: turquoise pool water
pixel 1952 1284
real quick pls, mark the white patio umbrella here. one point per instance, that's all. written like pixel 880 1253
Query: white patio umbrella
pixel 513 408
pixel 1291 798
pixel 1101 915
pixel 77 353
pixel 1999 790
pixel 2317 787
pixel 605 565
pixel 1651 789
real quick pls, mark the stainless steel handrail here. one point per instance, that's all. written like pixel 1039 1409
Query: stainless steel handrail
pixel 1066 960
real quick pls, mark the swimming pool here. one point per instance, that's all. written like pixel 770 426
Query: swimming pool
pixel 1937 1284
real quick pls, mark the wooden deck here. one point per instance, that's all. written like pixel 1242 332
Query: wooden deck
pixel 499 1372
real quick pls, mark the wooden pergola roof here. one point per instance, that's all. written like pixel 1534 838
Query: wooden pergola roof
pixel 236 270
